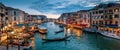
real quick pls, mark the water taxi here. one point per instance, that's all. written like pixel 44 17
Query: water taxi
pixel 33 28
pixel 110 32
pixel 43 30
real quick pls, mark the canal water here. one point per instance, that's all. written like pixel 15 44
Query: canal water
pixel 78 40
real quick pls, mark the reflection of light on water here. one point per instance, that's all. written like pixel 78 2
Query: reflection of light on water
pixel 33 43
pixel 43 36
pixel 77 32
pixel 67 31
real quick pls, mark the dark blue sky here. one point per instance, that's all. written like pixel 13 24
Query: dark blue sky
pixel 53 8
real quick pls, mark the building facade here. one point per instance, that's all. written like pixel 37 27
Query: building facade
pixel 83 18
pixel 106 14
pixel 38 18
pixel 79 18
pixel 2 15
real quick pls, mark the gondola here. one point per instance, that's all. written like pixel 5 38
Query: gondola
pixel 57 39
pixel 59 31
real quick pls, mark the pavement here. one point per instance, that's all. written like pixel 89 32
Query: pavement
pixel 10 48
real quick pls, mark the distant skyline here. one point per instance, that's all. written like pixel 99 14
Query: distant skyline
pixel 52 8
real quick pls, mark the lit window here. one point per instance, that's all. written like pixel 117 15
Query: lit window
pixel 116 10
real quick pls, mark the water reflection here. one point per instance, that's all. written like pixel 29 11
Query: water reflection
pixel 67 32
pixel 77 32
pixel 43 36
pixel 78 40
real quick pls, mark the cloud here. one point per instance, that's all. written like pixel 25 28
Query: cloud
pixel 109 0
pixel 35 12
pixel 55 7
pixel 52 15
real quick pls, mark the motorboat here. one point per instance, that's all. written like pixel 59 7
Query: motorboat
pixel 110 32
pixel 33 28
pixel 61 25
pixel 90 30
pixel 43 30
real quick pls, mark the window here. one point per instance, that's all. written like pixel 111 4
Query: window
pixel 2 15
pixel 116 10
pixel 1 9
pixel 105 11
pixel 6 18
pixel 15 18
pixel 110 22
pixel 105 16
pixel 93 22
pixel 96 22
pixel 110 16
pixel 116 16
pixel 110 11
pixel 101 22
pixel 6 13
pixel 100 12
pixel 93 12
pixel 105 22
pixel 14 13
pixel 101 17
pixel 96 12
pixel 116 22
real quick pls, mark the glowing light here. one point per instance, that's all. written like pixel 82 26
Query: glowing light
pixel 12 32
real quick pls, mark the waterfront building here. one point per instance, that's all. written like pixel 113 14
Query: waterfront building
pixel 2 15
pixel 107 19
pixel 51 19
pixel 65 18
pixel 13 15
pixel 27 18
pixel 83 18
pixel 106 14
pixel 38 18
pixel 21 16
pixel 79 18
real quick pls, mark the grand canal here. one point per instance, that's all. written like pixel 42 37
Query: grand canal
pixel 78 40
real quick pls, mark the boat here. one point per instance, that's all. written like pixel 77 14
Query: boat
pixel 59 31
pixel 61 25
pixel 33 29
pixel 90 30
pixel 110 32
pixel 57 39
pixel 43 30
pixel 27 47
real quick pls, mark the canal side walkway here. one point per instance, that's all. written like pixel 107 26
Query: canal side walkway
pixel 11 47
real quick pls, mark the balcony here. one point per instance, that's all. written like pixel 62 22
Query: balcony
pixel 106 13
